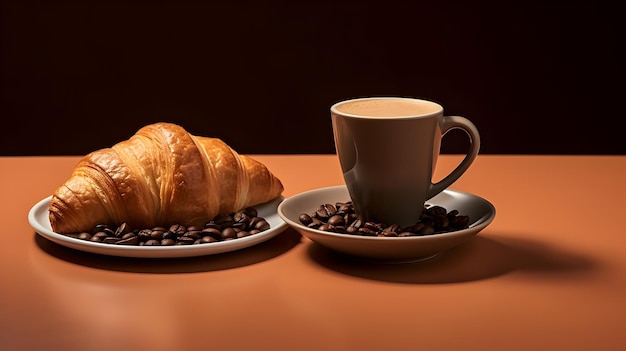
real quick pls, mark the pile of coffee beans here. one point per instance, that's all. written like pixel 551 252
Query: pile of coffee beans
pixel 222 228
pixel 341 218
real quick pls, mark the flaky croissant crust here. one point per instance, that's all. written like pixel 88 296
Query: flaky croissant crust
pixel 162 175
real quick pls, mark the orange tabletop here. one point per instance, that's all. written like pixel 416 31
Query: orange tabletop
pixel 548 274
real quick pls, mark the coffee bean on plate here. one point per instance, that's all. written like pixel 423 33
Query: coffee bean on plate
pixel 221 228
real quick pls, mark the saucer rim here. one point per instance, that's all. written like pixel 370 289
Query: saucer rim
pixel 477 225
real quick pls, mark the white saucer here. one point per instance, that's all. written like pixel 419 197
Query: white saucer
pixel 389 249
pixel 38 218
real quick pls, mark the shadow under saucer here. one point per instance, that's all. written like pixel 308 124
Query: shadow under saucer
pixel 480 258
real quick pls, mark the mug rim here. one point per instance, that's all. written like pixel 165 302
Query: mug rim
pixel 335 111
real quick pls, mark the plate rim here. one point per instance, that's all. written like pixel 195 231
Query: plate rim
pixel 278 226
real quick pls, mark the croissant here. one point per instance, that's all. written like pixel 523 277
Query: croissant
pixel 160 176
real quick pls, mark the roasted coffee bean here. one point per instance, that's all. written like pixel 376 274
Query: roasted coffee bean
pixel 105 229
pixel 111 240
pixel 101 235
pixel 326 211
pixel 212 232
pixel 459 222
pixel 212 224
pixel 427 220
pixel 254 221
pixel 375 227
pixel 121 230
pixel 336 220
pixel 394 228
pixel 241 217
pixel 305 219
pixel 186 240
pixel 177 229
pixel 193 234
pixel 240 225
pixel 315 223
pixel 84 236
pixel 207 239
pixel 342 218
pixel 251 212
pixel 157 234
pixel 224 227
pixel 349 218
pixel 352 230
pixel 131 240
pixel 229 233
pixel 128 235
pixel 436 211
pixel 168 242
pixel 326 227
pixel 358 223
pixel 262 225
pixel 426 230
pixel 442 221
pixel 224 221
pixel 366 231
pixel 169 235
pixel 144 234
pixel 343 207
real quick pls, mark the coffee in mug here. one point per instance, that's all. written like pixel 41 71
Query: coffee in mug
pixel 388 149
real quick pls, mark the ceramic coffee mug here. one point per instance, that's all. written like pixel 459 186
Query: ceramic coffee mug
pixel 388 149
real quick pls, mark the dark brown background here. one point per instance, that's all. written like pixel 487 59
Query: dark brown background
pixel 537 77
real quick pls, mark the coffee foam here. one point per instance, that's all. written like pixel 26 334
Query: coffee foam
pixel 388 107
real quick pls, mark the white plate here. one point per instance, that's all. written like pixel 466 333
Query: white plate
pixel 38 218
pixel 390 249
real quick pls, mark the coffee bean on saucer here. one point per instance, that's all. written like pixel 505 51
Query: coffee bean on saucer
pixel 336 220
pixel 342 218
pixel 305 219
pixel 326 211
pixel 459 222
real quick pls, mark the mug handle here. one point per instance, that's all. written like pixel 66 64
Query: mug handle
pixel 448 123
